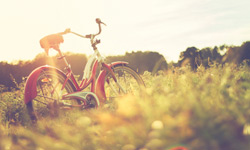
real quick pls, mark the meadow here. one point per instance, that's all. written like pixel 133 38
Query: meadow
pixel 207 109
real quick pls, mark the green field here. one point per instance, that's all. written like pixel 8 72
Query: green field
pixel 204 110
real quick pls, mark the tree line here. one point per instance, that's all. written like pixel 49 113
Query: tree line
pixel 12 74
pixel 217 55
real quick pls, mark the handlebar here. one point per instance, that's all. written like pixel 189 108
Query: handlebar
pixel 90 36
pixel 99 22
pixel 53 40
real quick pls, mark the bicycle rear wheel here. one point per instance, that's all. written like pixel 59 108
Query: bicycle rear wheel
pixel 128 82
pixel 49 94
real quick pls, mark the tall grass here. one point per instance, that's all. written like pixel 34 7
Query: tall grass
pixel 207 109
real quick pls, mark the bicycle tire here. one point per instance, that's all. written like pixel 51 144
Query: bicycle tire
pixel 49 83
pixel 129 80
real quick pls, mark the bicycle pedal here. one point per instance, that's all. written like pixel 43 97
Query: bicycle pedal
pixel 90 106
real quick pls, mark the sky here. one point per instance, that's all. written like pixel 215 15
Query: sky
pixel 164 26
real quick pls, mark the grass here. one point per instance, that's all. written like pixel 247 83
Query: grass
pixel 207 109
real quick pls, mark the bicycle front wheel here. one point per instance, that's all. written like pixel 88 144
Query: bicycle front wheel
pixel 128 82
pixel 49 95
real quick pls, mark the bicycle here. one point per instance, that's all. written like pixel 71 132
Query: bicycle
pixel 48 89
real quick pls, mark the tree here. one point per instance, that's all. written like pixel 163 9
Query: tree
pixel 244 52
pixel 191 56
pixel 237 54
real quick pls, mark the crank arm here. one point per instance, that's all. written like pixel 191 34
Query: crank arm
pixel 69 106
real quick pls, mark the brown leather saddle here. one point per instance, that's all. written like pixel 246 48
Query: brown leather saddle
pixel 51 41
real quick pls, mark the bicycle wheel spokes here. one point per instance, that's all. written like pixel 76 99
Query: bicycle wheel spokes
pixel 113 88
pixel 128 82
pixel 48 93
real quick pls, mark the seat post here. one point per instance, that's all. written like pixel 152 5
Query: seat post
pixel 64 59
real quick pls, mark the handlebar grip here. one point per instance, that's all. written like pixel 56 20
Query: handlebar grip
pixel 98 20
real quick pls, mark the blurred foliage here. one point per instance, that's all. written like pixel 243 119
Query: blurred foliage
pixel 201 102
pixel 207 109
pixel 12 108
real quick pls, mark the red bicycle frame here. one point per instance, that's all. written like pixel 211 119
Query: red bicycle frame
pixel 97 85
